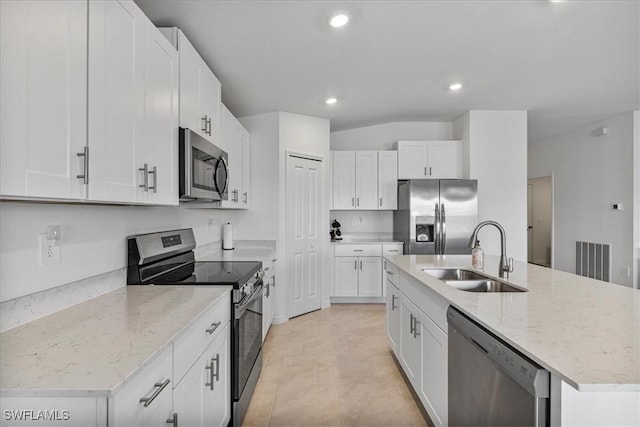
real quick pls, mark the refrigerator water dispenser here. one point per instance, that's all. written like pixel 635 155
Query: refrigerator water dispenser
pixel 425 230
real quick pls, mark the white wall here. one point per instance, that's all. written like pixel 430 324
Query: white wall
pixel 382 137
pixel 496 143
pixel 92 241
pixel 590 173
pixel 364 221
pixel 636 197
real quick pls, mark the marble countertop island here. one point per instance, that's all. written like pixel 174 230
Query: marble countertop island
pixel 92 348
pixel 585 331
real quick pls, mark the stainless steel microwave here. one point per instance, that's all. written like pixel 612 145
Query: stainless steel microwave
pixel 203 169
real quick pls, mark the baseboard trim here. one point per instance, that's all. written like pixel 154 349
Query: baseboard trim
pixel 358 300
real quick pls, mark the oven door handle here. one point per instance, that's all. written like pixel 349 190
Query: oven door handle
pixel 241 308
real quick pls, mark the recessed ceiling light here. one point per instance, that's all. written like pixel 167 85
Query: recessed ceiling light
pixel 455 86
pixel 338 21
pixel 331 101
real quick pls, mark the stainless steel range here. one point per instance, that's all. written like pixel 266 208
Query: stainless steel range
pixel 167 258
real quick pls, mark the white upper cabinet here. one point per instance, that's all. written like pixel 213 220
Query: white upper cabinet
pixel 116 101
pixel 366 180
pixel 360 183
pixel 344 179
pixel 161 117
pixel 200 90
pixel 388 180
pixel 429 159
pixel 245 138
pixel 99 119
pixel 43 59
pixel 233 138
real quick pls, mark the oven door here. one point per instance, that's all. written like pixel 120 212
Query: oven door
pixel 203 169
pixel 247 339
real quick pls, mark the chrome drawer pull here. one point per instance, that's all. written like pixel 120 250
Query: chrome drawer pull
pixel 213 327
pixel 159 387
pixel 173 420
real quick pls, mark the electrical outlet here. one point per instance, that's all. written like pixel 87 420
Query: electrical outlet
pixel 625 271
pixel 210 225
pixel 49 253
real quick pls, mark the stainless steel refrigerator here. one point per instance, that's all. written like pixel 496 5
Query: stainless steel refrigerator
pixel 436 216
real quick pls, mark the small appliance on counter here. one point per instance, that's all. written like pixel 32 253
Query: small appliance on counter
pixel 167 258
pixel 335 232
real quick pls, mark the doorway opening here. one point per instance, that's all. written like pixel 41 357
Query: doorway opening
pixel 540 221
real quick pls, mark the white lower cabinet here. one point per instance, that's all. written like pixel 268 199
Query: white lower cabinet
pixel 199 399
pixel 146 399
pixel 358 276
pixel 268 297
pixel 420 345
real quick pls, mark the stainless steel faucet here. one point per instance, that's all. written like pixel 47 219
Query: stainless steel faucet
pixel 506 266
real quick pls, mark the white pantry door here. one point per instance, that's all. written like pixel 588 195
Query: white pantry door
pixel 303 245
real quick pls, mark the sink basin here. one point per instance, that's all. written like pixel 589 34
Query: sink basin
pixel 471 281
pixel 454 274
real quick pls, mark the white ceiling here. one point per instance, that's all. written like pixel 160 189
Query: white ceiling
pixel 568 63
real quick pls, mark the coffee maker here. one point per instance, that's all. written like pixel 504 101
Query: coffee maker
pixel 335 231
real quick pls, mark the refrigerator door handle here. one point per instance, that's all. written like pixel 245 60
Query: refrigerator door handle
pixel 437 231
pixel 443 228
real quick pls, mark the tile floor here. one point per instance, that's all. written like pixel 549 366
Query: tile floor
pixel 333 367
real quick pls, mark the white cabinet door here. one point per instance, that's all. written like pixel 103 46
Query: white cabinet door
pixel 388 180
pixel 346 276
pixel 445 159
pixel 370 277
pixel 43 52
pixel 245 138
pixel 344 179
pixel 203 396
pixel 409 342
pixel 161 117
pixel 231 134
pixel 191 87
pixel 152 385
pixel 210 103
pixel 433 382
pixel 267 306
pixel 412 160
pixel 393 317
pixel 116 101
pixel 366 180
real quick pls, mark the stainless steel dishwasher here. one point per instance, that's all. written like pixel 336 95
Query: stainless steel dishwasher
pixel 490 383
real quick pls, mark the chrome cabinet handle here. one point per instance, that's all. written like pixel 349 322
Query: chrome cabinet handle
pixel 145 177
pixel 360 264
pixel 268 287
pixel 85 175
pixel 411 327
pixel 159 387
pixel 204 123
pixel 430 171
pixel 208 126
pixel 380 201
pixel 390 273
pixel 210 368
pixel 173 420
pixel 213 327
pixel 358 250
pixel 246 197
pixel 416 329
pixel 273 283
pixel 355 264
pixel 216 376
pixel 425 171
pixel 353 201
pixel 153 172
pixel 393 302
pixel 392 250
pixel 358 201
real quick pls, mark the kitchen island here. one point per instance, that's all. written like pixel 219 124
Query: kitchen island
pixel 585 332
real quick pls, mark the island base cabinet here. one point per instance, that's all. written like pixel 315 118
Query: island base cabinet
pixel 203 396
pixel 393 317
pixel 434 373
pixel 62 411
pixel 409 342
pixel 146 400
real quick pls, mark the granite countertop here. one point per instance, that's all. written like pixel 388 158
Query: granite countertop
pixel 92 348
pixel 583 330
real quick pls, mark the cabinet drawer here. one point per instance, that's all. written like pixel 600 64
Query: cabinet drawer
pixel 392 249
pixel 391 272
pixel 194 341
pixel 358 250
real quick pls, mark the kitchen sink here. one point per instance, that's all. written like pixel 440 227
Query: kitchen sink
pixel 471 281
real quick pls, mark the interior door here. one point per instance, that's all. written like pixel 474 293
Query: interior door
pixel 303 245
pixel 529 222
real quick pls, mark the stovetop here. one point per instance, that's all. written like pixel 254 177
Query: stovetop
pixel 235 273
